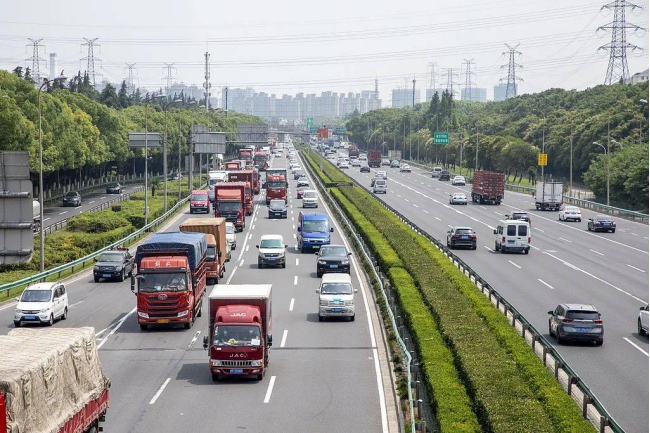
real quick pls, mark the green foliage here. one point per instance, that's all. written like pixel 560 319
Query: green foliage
pixel 97 222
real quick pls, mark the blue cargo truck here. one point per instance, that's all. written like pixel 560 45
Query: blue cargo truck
pixel 313 231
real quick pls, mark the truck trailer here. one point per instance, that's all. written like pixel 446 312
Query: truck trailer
pixel 217 254
pixel 230 203
pixel 374 158
pixel 51 381
pixel 240 330
pixel 548 195
pixel 170 279
pixel 488 187
pixel 250 176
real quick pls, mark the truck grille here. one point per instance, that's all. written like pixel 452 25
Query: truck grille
pixel 163 308
pixel 236 363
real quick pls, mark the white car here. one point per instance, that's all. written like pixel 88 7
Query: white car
pixel 570 213
pixel 356 163
pixel 405 168
pixel 271 251
pixel 336 297
pixel 310 198
pixel 642 321
pixel 42 303
pixel 382 173
pixel 436 172
pixel 458 198
pixel 231 235
pixel 302 182
pixel 363 157
pixel 380 186
pixel 458 180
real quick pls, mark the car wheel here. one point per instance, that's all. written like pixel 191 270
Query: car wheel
pixel 599 342
pixel 121 277
pixel 503 249
pixel 321 318
pixel 559 218
pixel 352 319
pixel 17 323
pixel 187 325
pixel 496 247
pixel 259 377
pixel 319 275
pixel 614 231
pixel 559 339
pixel 97 279
pixel 143 326
pixel 526 251
pixel 474 246
pixel 65 313
pixel 215 377
pixel 284 265
pixel 259 265
pixel 638 324
pixel 550 331
pixel 51 321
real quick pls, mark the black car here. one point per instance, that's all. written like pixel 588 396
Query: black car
pixel 576 322
pixel 444 175
pixel 364 169
pixel 523 216
pixel 114 188
pixel 601 223
pixel 174 176
pixel 116 264
pixel 332 258
pixel 277 209
pixel 461 237
pixel 72 198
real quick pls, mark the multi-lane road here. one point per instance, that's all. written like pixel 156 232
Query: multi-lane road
pixel 566 264
pixel 329 376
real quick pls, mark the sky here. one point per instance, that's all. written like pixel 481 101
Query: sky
pixel 290 46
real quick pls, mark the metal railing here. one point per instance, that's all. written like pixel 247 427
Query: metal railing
pixel 586 204
pixel 575 386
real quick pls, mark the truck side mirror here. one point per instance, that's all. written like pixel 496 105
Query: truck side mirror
pixel 551 313
pixel 133 283
pixel 205 341
pixel 257 246
pixel 356 290
pixel 494 231
pixel 286 246
pixel 195 280
pixel 270 340
pixel 299 228
pixel 331 229
pixel 316 253
pixel 219 254
pixel 318 291
pixel 96 259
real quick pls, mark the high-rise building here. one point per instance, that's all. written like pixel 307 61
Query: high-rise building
pixel 474 94
pixel 53 66
pixel 404 97
pixel 500 91
pixel 431 92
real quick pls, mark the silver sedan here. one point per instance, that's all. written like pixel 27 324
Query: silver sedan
pixel 458 198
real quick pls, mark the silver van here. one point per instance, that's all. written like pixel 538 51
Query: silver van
pixel 380 186
pixel 512 235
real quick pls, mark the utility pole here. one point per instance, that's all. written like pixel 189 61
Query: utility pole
pixel 571 162
pixel 207 86
pixel 451 74
pixel 169 77
pixel 226 91
pixel 476 162
pixel 513 66
pixel 433 72
pixel 617 69
pixel 90 59
pixel 36 61
pixel 467 94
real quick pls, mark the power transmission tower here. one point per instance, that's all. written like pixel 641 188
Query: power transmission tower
pixel 170 77
pixel 90 59
pixel 513 66
pixel 432 67
pixel 36 59
pixel 376 89
pixel 617 69
pixel 451 75
pixel 207 86
pixel 467 94
pixel 130 79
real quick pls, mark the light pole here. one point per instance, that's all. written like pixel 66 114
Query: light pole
pixel 606 149
pixel 165 148
pixel 40 169
pixel 146 157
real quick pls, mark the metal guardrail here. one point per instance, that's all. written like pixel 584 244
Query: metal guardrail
pixel 586 204
pixel 603 421
pixel 81 262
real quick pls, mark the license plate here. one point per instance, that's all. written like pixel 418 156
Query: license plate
pixel 237 371
pixel 582 329
pixel 336 310
pixel 163 320
pixel 511 242
pixel 463 237
pixel 106 275
pixel 334 266
pixel 29 317
pixel 271 259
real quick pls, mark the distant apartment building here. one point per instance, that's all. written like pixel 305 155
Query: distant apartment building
pixel 639 77
pixel 405 98
pixel 473 94
pixel 500 91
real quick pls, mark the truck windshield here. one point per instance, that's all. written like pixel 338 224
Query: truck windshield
pixel 199 197
pixel 315 226
pixel 237 335
pixel 275 184
pixel 210 255
pixel 229 206
pixel 173 281
pixel 336 289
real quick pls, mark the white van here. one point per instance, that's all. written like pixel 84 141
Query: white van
pixel 42 303
pixel 336 297
pixel 512 235
pixel 436 172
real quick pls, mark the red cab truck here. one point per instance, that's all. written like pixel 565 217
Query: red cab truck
pixel 261 160
pixel 244 176
pixel 199 201
pixel 240 335
pixel 248 193
pixel 215 230
pixel 488 187
pixel 170 282
pixel 245 154
pixel 51 381
pixel 234 165
pixel 276 188
pixel 374 158
pixel 230 203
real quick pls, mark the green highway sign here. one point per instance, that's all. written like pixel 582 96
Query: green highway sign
pixel 313 130
pixel 441 138
pixel 310 121
pixel 339 131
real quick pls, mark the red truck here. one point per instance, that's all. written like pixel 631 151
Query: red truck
pixel 276 188
pixel 199 201
pixel 215 230
pixel 230 203
pixel 488 187
pixel 248 193
pixel 61 390
pixel 353 151
pixel 234 165
pixel 245 154
pixel 261 160
pixel 250 176
pixel 240 333
pixel 171 278
pixel 374 158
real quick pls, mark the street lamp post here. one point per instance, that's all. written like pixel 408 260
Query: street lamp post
pixel 606 149
pixel 476 160
pixel 165 149
pixel 40 169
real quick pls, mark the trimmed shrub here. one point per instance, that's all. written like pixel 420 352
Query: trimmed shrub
pixel 97 222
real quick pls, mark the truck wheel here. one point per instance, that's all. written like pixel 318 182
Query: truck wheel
pixel 143 326
pixel 215 377
pixel 92 430
pixel 187 325
pixel 496 247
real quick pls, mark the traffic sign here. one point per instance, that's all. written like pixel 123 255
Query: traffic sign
pixel 310 121
pixel 313 130
pixel 440 138
pixel 542 158
pixel 339 130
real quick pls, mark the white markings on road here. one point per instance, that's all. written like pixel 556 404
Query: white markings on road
pixel 241 263
pixel 634 234
pixel 415 205
pixel 292 218
pixel 120 323
pixel 91 202
pixel 425 211
pixel 284 338
pixel 293 226
pixel 269 391
pixel 250 236
pixel 488 248
pixel 538 229
pixel 597 252
pixel 11 304
pixel 64 212
pixel 247 247
pixel 75 304
pixel 497 213
pixel 546 284
pixel 399 196
pixel 437 218
pixel 483 207
pixel 293 300
pixel 407 200
pixel 565 240
pixel 634 267
pixel 295 280
pixel 297 261
pixel 635 346
pixel 252 228
pixel 48 219
pixel 450 226
pixel 196 336
pixel 514 264
pixel 535 248
pixel 162 388
pixel 294 236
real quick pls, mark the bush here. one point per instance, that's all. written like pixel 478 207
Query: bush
pixel 97 222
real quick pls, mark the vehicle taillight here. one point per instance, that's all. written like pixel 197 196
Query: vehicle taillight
pixel 473 236
pixel 455 236
pixel 503 239
pixel 567 320
pixel 598 321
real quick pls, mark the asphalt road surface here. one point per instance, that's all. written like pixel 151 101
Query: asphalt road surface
pixel 566 264
pixel 322 377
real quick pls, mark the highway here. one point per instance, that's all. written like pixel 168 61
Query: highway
pixel 322 377
pixel 566 264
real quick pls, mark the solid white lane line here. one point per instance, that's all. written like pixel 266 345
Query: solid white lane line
pixel 514 264
pixel 75 304
pixel 11 304
pixel 63 212
pixel 634 234
pixel 535 248
pixel 91 202
pixel 636 347
pixel 284 337
pixel 594 251
pixel 634 267
pixel 295 280
pixel 565 240
pixel 269 391
pixel 120 323
pixel 162 388
pixel 196 336
pixel 48 219
pixel 297 261
pixel 546 284
pixel 241 263
pixel 293 300
pixel 247 247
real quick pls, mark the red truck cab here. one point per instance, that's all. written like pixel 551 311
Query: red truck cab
pixel 248 193
pixel 171 278
pixel 239 337
pixel 276 188
pixel 261 160
pixel 230 203
pixel 245 154
pixel 233 165
pixel 199 201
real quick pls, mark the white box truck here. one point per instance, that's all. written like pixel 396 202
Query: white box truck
pixel 548 195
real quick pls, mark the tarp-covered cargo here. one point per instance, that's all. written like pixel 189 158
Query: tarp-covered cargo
pixel 192 245
pixel 47 376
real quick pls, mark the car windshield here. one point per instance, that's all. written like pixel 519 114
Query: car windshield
pixel 571 209
pixel 380 183
pixel 113 185
pixel 464 231
pixel 236 335
pixel 582 315
pixel 336 289
pixel 71 194
pixel 309 194
pixel 333 251
pixel 315 226
pixel 200 197
pixel 602 218
pixel 36 296
pixel 271 243
pixel 111 257
pixel 230 229
pixel 277 205
pixel 159 282
pixel 229 206
pixel 275 184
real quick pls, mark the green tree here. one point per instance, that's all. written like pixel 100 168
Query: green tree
pixel 123 96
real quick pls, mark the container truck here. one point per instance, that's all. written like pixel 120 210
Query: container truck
pixel 548 195
pixel 245 154
pixel 199 201
pixel 235 165
pixel 274 171
pixel 51 381
pixel 353 151
pixel 215 229
pixel 230 203
pixel 395 155
pixel 261 160
pixel 244 176
pixel 488 187
pixel 240 333
pixel 374 158
pixel 170 282
pixel 276 188
pixel 248 193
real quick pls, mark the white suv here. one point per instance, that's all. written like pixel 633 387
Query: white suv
pixel 642 321
pixel 336 297
pixel 271 251
pixel 42 303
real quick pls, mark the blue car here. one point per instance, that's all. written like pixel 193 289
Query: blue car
pixel 313 231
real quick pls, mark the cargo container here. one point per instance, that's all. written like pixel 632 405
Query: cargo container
pixel 248 193
pixel 548 195
pixel 488 187
pixel 374 158
pixel 230 203
pixel 215 229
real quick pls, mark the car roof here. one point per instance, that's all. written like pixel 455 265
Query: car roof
pixel 310 190
pixel 585 307
pixel 336 278
pixel 266 237
pixel 42 286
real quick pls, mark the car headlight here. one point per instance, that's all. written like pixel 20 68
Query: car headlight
pixel 44 310
pixel 322 262
pixel 256 363
pixel 322 303
pixel 215 362
pixel 345 262
pixel 18 311
pixel 143 315
pixel 349 303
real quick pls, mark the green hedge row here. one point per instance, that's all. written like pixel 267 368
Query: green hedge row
pixel 333 173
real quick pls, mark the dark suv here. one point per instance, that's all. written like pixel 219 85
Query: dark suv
pixel 461 237
pixel 332 258
pixel 576 322
pixel 115 264
pixel 72 198
pixel 277 209
pixel 444 175
pixel 114 188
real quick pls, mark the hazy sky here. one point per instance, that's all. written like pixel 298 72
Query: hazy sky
pixel 291 46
